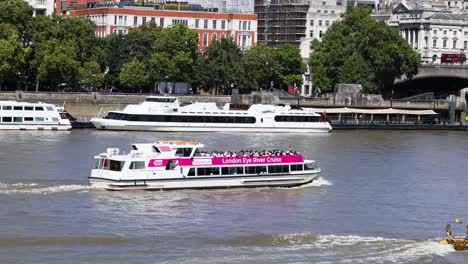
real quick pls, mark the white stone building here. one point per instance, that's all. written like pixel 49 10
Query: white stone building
pixel 432 28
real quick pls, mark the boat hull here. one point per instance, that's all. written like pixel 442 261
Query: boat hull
pixel 35 127
pixel 106 124
pixel 289 180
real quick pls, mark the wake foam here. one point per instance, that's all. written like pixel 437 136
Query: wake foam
pixel 35 188
pixel 342 249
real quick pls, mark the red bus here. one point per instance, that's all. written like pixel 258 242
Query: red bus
pixel 453 58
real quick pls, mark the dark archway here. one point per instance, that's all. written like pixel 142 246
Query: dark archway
pixel 440 86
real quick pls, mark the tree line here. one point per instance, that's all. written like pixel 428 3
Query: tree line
pixel 62 53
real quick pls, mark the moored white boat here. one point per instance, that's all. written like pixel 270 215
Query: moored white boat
pixel 32 116
pixel 159 113
pixel 170 165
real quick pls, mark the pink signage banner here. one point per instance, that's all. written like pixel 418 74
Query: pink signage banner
pixel 253 160
pixel 209 161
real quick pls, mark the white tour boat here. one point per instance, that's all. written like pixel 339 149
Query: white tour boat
pixel 169 165
pixel 32 116
pixel 160 113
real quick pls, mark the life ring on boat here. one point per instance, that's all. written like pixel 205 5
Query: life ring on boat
pixel 63 115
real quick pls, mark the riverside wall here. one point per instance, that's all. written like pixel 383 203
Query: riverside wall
pixel 85 106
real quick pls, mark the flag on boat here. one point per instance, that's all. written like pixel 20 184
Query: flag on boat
pixel 165 148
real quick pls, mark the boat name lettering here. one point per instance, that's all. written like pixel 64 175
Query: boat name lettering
pixel 251 160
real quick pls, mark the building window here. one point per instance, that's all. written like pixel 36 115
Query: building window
pixel 115 20
pixel 320 22
pixel 454 32
pixel 445 32
pixel 213 37
pixel 435 31
pixel 311 33
pixel 197 23
pixel 327 23
pixel 205 39
pixel 434 43
pixel 135 21
pixel 454 44
pixel 325 11
pixel 311 22
pixel 338 3
pixel 248 28
pixel 244 25
pixel 320 33
pixel 333 11
pixel 465 45
pixel 324 3
pixel 319 11
pixel 214 24
pixel 143 21
pixel 444 43
pixel 240 25
pixel 205 23
pixel 222 35
pixel 161 22
pixel 223 24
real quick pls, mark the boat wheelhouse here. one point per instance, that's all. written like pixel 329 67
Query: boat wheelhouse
pixel 160 113
pixel 169 165
pixel 32 116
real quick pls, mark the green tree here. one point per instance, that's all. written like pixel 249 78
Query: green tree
pixel 134 75
pixel 359 49
pixel 220 66
pixel 12 55
pixel 91 76
pixel 17 13
pixel 259 64
pixel 175 53
pixel 139 42
pixel 290 66
pixel 55 63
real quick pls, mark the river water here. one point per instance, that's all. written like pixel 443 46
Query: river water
pixel 384 197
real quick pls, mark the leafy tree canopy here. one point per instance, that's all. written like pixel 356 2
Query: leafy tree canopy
pixel 290 66
pixel 134 75
pixel 259 64
pixel 359 49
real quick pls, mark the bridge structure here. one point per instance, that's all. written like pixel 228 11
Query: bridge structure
pixel 457 71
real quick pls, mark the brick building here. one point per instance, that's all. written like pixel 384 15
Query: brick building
pixel 209 25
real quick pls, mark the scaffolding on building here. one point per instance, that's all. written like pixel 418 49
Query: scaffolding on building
pixel 281 21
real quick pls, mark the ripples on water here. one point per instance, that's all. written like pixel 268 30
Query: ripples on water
pixel 384 197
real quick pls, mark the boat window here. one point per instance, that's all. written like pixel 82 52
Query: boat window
pixel 298 118
pixel 191 172
pixel 6 119
pixel 160 100
pixel 232 170
pixel 115 165
pixel 137 165
pixel 18 119
pixel 172 164
pixel 39 108
pixel 278 169
pixel 55 119
pixel 134 147
pixel 197 153
pixel 208 171
pixel 104 164
pixel 6 107
pixel 29 119
pixel 28 108
pixel 49 108
pixel 17 108
pixel 183 152
pixel 309 166
pixel 40 119
pixel 297 167
pixel 250 170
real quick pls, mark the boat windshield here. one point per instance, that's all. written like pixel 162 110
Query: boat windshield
pixel 310 166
